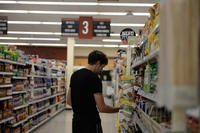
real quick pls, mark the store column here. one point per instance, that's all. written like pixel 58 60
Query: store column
pixel 179 58
pixel 70 59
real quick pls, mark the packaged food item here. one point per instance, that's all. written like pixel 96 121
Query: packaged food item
pixel 3 92
pixel 2 66
pixel 8 67
pixel 17 130
pixel 1 115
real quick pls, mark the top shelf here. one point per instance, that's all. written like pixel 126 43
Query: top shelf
pixel 155 30
pixel 146 58
pixel 12 62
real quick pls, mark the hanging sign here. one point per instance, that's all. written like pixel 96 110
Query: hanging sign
pixel 125 33
pixel 3 25
pixel 85 27
pixel 101 27
pixel 70 27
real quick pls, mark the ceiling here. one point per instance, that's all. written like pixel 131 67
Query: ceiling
pixel 128 19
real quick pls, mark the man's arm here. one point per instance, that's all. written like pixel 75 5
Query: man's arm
pixel 69 101
pixel 102 107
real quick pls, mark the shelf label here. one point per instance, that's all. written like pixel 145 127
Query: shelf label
pixel 3 25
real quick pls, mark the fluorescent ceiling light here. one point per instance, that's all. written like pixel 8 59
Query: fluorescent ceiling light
pixel 9 38
pixel 88 45
pixel 72 12
pixel 114 34
pixel 127 24
pixel 140 14
pixel 45 33
pixel 64 45
pixel 34 22
pixel 127 4
pixel 59 23
pixel 111 40
pixel 40 39
pixel 78 3
pixel 111 46
pixel 34 33
pixel 57 3
pixel 48 44
pixel 27 38
pixel 12 43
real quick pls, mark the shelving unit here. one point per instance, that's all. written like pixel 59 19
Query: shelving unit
pixel 6 120
pixel 27 93
pixel 5 98
pixel 44 121
pixel 150 96
pixel 19 107
pixel 6 85
pixel 146 58
pixel 19 77
pixel 6 73
pixel 12 62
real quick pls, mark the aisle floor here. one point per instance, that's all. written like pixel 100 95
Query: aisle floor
pixel 62 123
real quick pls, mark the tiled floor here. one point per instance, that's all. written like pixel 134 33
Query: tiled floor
pixel 62 123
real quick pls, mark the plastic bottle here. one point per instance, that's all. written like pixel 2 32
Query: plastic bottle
pixel 147 78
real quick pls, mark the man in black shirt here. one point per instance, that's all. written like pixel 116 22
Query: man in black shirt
pixel 85 96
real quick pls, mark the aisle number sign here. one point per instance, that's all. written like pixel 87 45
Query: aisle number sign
pixel 85 27
pixel 3 25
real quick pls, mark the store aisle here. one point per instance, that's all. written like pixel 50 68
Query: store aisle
pixel 62 123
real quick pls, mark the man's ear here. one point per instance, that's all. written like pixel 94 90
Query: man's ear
pixel 98 63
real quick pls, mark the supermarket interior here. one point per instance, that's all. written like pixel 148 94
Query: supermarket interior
pixel 153 70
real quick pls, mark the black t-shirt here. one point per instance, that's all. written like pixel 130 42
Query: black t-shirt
pixel 84 83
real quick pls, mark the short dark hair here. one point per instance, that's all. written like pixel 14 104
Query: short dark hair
pixel 95 56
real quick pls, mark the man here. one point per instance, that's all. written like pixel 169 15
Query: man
pixel 85 96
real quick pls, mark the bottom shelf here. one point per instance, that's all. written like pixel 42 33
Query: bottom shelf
pixel 44 121
pixel 140 124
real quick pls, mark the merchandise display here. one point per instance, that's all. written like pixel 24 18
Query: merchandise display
pixel 32 90
pixel 139 95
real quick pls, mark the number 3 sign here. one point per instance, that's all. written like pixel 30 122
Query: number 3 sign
pixel 86 26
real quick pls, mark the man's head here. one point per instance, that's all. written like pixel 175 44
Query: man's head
pixel 97 60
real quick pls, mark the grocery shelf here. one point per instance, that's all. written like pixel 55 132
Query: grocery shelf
pixel 20 122
pixel 146 58
pixel 19 92
pixel 40 88
pixel 12 62
pixel 150 96
pixel 36 65
pixel 5 98
pixel 38 76
pixel 140 124
pixel 6 120
pixel 150 123
pixel 61 93
pixel 51 106
pixel 6 85
pixel 39 100
pixel 6 73
pixel 44 121
pixel 19 107
pixel 15 77
pixel 155 29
